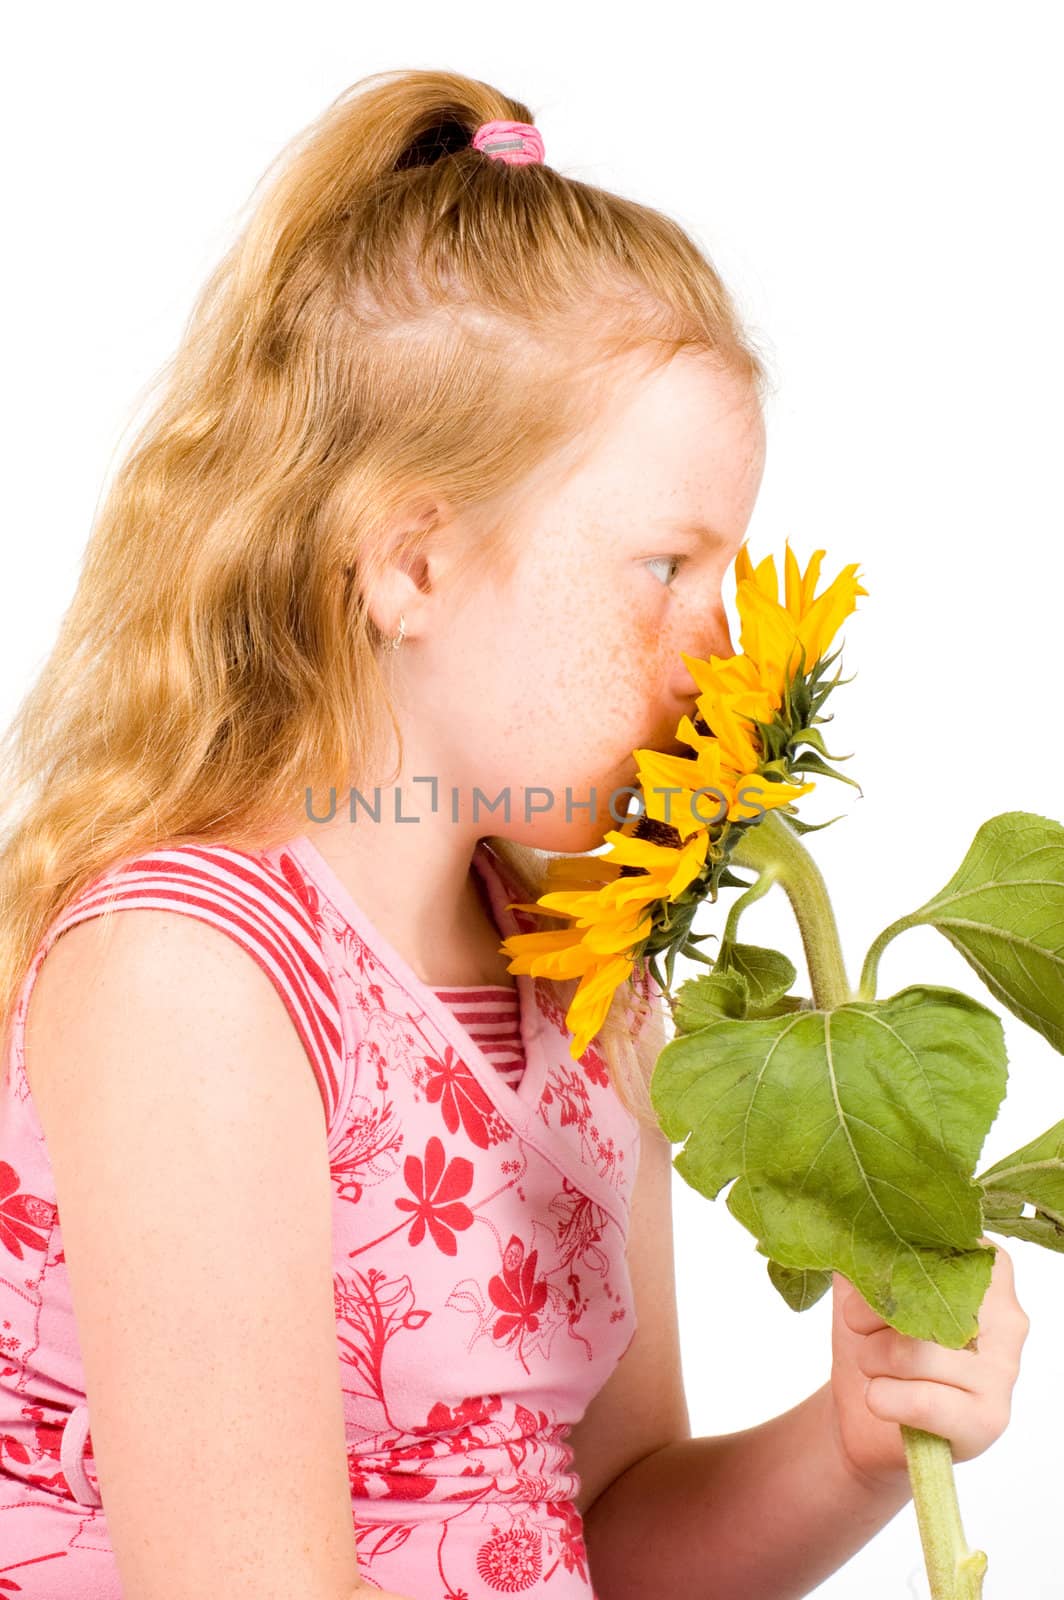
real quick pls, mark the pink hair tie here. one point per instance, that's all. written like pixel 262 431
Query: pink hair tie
pixel 517 143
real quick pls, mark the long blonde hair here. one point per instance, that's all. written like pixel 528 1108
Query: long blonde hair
pixel 399 314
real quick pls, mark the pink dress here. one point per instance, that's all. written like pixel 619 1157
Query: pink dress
pixel 479 1225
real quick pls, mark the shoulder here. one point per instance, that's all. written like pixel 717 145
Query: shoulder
pixel 168 897
pixel 260 902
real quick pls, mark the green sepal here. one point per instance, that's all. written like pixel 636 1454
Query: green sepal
pixel 809 761
pixel 728 880
pixel 812 827
pixel 814 737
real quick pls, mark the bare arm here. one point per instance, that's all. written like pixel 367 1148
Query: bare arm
pixel 187 1140
pixel 770 1511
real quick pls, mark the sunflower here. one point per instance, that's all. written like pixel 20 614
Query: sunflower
pixel 754 712
pixel 775 635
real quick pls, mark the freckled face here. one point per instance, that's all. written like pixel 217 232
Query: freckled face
pixel 574 662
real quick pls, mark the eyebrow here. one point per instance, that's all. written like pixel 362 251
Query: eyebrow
pixel 684 525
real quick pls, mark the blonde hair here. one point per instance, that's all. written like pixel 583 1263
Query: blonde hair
pixel 400 315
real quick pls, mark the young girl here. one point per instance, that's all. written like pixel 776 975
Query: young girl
pixel 361 1279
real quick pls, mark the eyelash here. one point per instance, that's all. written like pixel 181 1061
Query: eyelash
pixel 668 560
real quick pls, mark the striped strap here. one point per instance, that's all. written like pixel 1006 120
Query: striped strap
pixel 259 907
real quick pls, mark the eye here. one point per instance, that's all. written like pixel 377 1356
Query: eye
pixel 667 561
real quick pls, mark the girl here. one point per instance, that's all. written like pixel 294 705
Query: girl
pixel 446 476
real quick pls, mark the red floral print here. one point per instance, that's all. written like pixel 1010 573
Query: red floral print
pixel 569 1082
pixel 595 1067
pixel 437 1188
pixel 461 1098
pixel 573 1549
pixel 474 1412
pixel 371 1310
pixel 581 1225
pixel 512 1559
pixel 24 1219
pixel 368 1150
pixel 517 1293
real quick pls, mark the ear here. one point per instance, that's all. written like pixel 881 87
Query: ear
pixel 405 579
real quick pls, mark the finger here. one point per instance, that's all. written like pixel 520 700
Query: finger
pixel 855 1310
pixel 939 1408
pixel 851 1313
pixel 890 1354
pixel 1003 1323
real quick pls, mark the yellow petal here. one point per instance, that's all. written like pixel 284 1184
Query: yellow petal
pixel 579 871
pixel 574 902
pixel 629 852
pixel 527 905
pixel 811 579
pixel 607 938
pixel 658 771
pixel 593 999
pixel 673 870
pixel 734 736
pixel 793 583
pixel 827 613
pixel 557 953
pixel 761 791
pixel 770 635
pixel 765 578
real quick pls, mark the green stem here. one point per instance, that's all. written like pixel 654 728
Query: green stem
pixel 954 1571
pixel 774 846
pixel 866 989
pixel 759 887
pixel 774 849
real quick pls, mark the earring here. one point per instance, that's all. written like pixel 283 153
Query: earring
pixel 397 641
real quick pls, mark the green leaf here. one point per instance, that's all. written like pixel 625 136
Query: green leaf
pixel 1003 909
pixel 784 1006
pixel 746 980
pixel 852 1134
pixel 1034 1176
pixel 700 1001
pixel 800 1288
pixel 768 973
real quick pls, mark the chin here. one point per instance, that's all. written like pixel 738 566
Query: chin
pixel 576 838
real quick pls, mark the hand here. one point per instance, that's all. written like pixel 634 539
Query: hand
pixel 881 1378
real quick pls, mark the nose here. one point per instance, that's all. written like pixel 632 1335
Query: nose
pixel 720 633
pixel 715 640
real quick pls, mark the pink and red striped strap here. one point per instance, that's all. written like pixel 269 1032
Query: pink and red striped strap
pixel 255 904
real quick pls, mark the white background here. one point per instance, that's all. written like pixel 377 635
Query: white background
pixel 875 184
